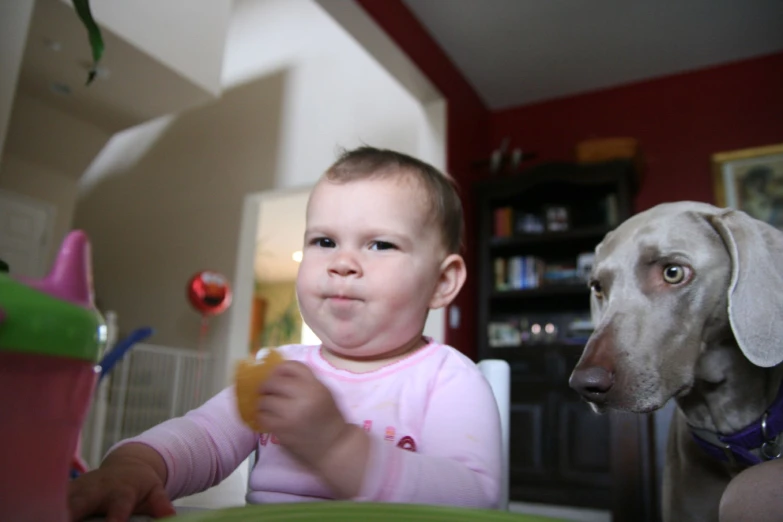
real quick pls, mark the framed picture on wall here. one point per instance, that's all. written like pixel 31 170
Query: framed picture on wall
pixel 751 180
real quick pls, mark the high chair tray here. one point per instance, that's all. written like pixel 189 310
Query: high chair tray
pixel 355 511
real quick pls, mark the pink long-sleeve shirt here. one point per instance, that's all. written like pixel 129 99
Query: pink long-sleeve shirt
pixel 432 419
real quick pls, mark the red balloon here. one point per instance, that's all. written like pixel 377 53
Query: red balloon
pixel 209 293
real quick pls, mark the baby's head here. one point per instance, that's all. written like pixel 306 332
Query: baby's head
pixel 442 202
pixel 382 245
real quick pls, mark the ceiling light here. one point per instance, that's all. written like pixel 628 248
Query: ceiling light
pixel 297 256
pixel 53 45
pixel 102 73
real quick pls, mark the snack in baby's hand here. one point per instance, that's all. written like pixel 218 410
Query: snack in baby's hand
pixel 250 374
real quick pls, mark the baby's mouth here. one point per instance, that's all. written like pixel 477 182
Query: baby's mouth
pixel 340 298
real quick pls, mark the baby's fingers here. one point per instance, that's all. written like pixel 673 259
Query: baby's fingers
pixel 284 381
pixel 81 505
pixel 85 497
pixel 120 505
pixel 293 370
pixel 158 504
pixel 273 406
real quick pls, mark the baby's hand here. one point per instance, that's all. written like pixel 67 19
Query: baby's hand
pixel 121 486
pixel 301 412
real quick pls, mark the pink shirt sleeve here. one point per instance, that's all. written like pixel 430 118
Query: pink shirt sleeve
pixel 201 448
pixel 458 461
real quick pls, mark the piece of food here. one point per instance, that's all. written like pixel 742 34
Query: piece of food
pixel 250 375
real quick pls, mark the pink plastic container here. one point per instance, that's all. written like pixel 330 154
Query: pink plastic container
pixel 50 340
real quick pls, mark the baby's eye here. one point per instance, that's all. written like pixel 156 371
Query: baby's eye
pixel 323 242
pixel 382 245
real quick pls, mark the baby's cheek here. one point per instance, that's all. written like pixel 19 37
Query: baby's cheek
pixel 402 294
pixel 415 288
pixel 306 284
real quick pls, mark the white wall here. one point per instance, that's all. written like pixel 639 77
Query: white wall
pixel 158 210
pixel 336 93
pixel 45 153
pixel 57 140
pixel 168 198
pixel 14 21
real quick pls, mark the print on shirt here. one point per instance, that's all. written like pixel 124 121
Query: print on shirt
pixel 390 435
pixel 407 443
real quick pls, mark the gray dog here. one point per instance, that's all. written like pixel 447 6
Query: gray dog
pixel 687 302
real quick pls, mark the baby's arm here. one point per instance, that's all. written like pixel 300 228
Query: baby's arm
pixel 458 459
pixel 202 448
pixel 129 480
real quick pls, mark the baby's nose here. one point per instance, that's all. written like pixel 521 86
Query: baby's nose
pixel 344 265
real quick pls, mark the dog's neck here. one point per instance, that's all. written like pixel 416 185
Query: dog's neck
pixel 728 392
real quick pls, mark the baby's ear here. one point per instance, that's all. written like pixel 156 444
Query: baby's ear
pixel 452 277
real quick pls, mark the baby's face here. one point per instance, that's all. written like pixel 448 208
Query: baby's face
pixel 371 264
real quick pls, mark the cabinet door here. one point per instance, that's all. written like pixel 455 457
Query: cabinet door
pixel 584 455
pixel 529 457
pixel 583 452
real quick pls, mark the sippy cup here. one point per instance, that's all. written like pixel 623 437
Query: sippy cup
pixel 50 338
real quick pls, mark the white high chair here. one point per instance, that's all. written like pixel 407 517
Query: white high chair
pixel 498 374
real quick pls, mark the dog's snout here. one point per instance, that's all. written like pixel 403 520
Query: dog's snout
pixel 592 383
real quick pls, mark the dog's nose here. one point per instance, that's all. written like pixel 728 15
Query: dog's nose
pixel 592 383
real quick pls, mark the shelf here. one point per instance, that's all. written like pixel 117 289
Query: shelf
pixel 537 347
pixel 597 233
pixel 544 291
pixel 533 350
pixel 551 429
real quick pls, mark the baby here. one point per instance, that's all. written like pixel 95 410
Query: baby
pixel 377 412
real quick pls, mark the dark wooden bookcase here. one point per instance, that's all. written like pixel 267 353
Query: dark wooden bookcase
pixel 561 452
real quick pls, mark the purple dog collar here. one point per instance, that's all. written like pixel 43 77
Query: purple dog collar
pixel 757 443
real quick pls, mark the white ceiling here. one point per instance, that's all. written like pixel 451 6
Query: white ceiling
pixel 516 52
pixel 136 88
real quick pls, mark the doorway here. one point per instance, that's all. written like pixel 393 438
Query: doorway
pixel 26 228
pixel 275 319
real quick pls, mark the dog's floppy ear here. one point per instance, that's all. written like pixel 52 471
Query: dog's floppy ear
pixel 755 292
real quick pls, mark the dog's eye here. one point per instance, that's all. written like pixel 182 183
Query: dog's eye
pixel 595 287
pixel 673 274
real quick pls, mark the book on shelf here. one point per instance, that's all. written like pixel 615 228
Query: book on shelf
pixel 518 272
pixel 503 222
pixel 609 206
pixel 529 272
pixel 562 274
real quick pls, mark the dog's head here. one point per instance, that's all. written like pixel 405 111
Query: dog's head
pixel 666 284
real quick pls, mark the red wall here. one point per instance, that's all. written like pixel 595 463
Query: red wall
pixel 467 136
pixel 680 121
